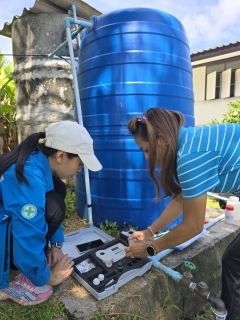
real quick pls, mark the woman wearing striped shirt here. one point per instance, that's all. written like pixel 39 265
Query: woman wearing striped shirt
pixel 193 161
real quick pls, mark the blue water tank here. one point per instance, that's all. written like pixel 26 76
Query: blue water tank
pixel 132 59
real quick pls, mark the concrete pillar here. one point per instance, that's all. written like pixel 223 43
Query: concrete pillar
pixel 44 87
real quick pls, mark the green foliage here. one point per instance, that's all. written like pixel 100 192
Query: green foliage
pixel 110 228
pixel 7 104
pixel 205 314
pixel 212 203
pixel 51 309
pixel 7 87
pixel 70 202
pixel 167 305
pixel 232 116
pixel 99 315
pixel 135 228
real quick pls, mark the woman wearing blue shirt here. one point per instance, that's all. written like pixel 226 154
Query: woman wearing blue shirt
pixel 32 209
pixel 193 161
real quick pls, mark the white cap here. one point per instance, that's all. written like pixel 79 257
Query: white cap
pixel 69 136
pixel 96 281
pixel 233 199
pixel 101 277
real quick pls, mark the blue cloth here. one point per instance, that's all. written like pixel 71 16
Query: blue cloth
pixel 208 159
pixel 27 206
pixel 5 232
pixel 187 243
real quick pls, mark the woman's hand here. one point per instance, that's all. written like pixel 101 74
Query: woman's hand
pixel 54 256
pixel 137 250
pixel 138 236
pixel 61 271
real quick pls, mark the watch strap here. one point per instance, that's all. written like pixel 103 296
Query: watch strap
pixel 58 245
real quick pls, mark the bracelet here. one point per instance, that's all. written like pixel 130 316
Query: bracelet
pixel 150 229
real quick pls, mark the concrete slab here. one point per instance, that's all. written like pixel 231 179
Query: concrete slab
pixel 144 296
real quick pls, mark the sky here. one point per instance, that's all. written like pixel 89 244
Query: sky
pixel 208 23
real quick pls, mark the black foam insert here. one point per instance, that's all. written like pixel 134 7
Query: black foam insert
pixel 113 273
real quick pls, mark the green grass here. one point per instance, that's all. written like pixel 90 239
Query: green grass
pixel 211 202
pixel 205 314
pixel 51 309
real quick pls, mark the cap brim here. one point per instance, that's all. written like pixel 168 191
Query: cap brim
pixel 91 162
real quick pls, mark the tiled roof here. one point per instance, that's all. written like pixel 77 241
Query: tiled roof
pixel 224 46
pixel 83 10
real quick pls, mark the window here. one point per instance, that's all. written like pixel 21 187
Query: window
pixel 232 84
pixel 218 85
pixel 217 81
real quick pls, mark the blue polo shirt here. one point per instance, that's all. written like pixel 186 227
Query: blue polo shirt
pixel 208 159
pixel 27 206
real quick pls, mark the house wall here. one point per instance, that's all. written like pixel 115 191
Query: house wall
pixel 205 111
pixel 216 82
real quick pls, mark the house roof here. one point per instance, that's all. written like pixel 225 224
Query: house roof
pixel 219 50
pixel 83 10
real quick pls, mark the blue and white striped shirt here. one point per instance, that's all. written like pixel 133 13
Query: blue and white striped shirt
pixel 208 159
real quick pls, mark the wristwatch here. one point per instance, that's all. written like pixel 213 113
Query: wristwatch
pixel 58 245
pixel 151 251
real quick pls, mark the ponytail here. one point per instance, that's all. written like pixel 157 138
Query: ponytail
pixel 20 155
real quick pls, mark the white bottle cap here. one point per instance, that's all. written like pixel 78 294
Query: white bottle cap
pixel 101 277
pixel 96 281
pixel 108 263
pixel 233 199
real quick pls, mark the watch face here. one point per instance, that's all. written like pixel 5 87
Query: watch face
pixel 150 251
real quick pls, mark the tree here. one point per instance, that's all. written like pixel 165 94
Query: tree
pixel 232 116
pixel 8 136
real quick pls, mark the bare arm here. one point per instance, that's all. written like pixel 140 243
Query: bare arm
pixel 170 213
pixel 193 220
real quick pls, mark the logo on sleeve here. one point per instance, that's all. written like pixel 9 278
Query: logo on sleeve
pixel 29 211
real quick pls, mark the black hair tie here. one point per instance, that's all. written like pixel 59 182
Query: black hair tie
pixel 41 135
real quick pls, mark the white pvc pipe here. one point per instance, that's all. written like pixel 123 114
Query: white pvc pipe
pixel 63 57
pixel 75 17
pixel 213 195
pixel 172 273
pixel 80 120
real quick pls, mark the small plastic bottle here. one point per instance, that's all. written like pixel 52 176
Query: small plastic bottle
pixel 234 201
pixel 229 214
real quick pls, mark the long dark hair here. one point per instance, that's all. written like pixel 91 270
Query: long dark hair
pixel 164 124
pixel 21 153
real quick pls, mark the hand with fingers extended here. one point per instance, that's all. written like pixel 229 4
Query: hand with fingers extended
pixel 54 256
pixel 61 271
pixel 137 249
